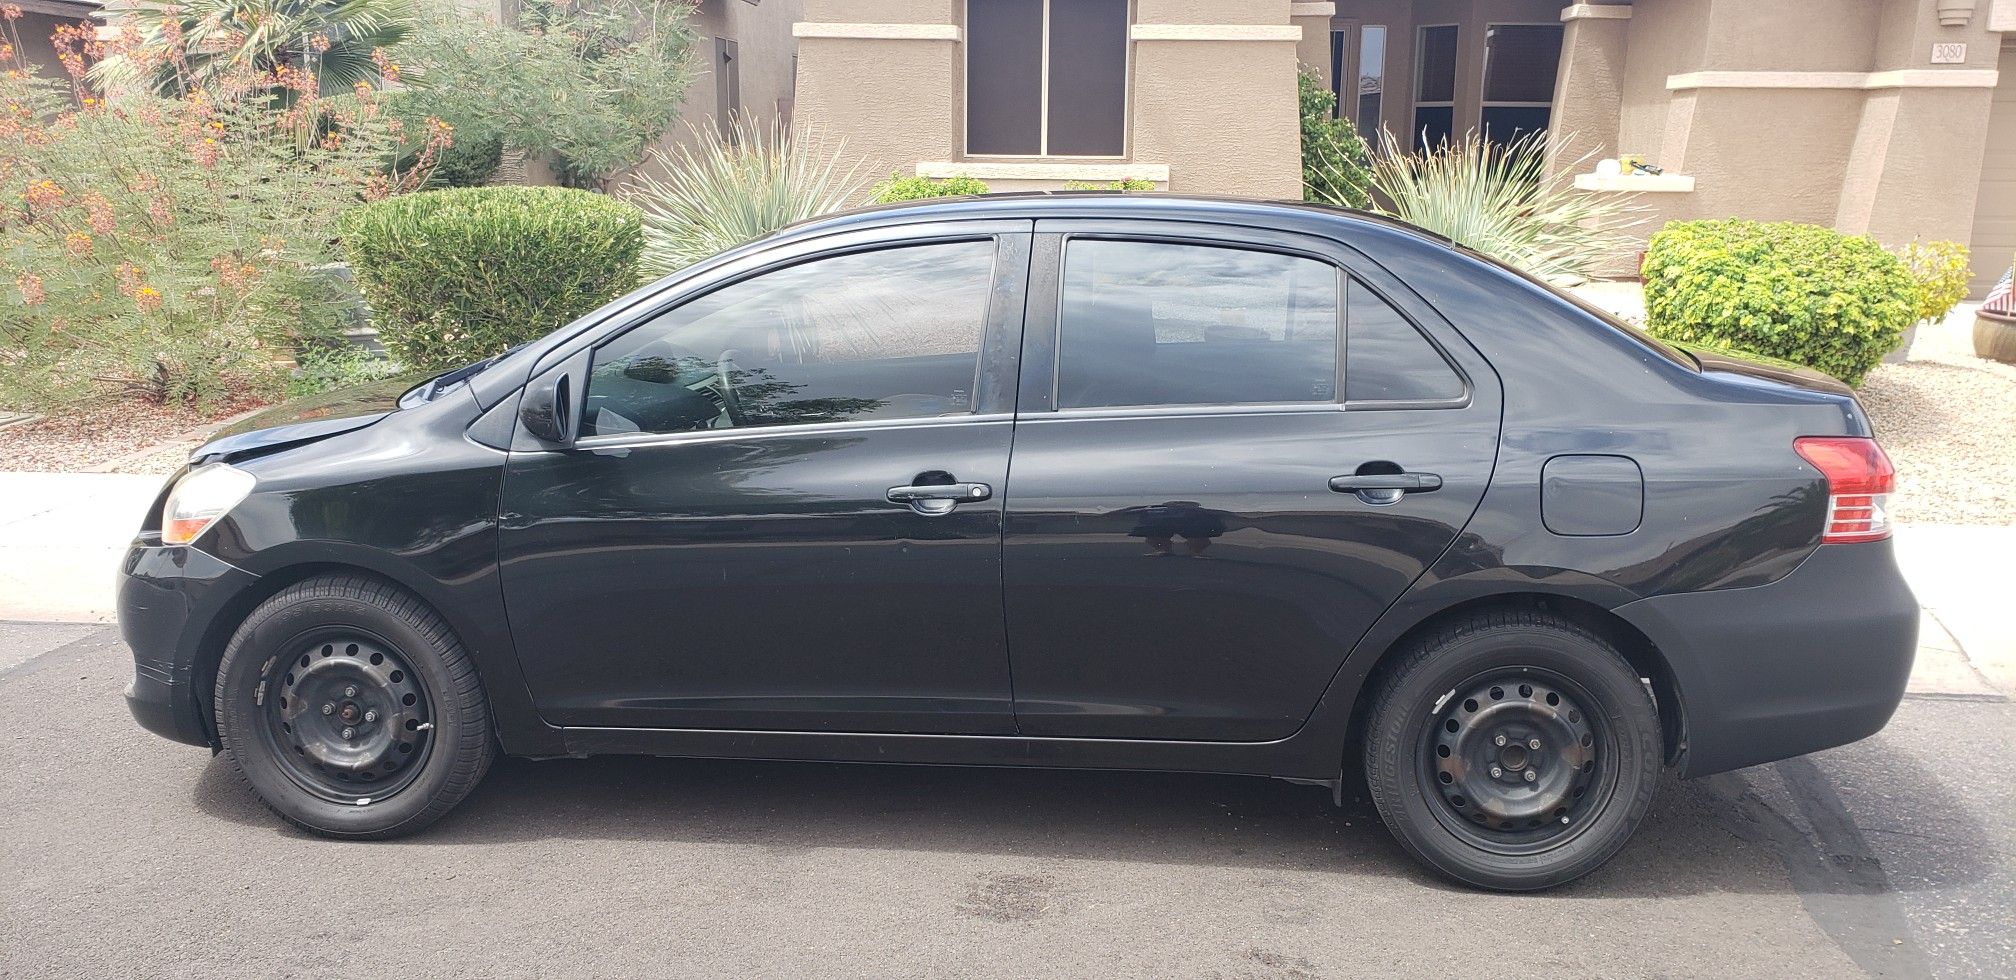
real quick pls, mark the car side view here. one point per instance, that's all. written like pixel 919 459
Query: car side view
pixel 1065 480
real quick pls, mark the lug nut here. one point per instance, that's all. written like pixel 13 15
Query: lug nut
pixel 349 733
pixel 1534 745
pixel 1496 772
pixel 350 692
pixel 1531 775
pixel 1499 741
pixel 370 716
pixel 328 709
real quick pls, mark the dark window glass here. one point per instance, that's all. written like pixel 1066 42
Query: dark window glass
pixel 1150 323
pixel 1433 125
pixel 1371 81
pixel 1520 61
pixel 1004 77
pixel 1339 68
pixel 1436 76
pixel 1088 78
pixel 1387 359
pixel 1504 123
pixel 892 334
pixel 727 86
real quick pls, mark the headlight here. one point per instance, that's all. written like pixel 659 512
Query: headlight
pixel 200 498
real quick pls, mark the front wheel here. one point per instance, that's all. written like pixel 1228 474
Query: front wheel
pixel 351 709
pixel 1513 750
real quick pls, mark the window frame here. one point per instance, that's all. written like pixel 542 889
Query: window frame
pixel 1043 96
pixel 1038 400
pixel 1484 73
pixel 995 361
pixel 1455 74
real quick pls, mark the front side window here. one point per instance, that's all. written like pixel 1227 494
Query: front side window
pixel 1046 77
pixel 1520 62
pixel 1154 323
pixel 889 334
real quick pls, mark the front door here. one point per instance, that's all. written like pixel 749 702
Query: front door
pixel 1202 520
pixel 784 509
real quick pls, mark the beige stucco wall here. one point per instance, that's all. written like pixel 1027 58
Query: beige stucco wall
pixel 1217 113
pixel 762 33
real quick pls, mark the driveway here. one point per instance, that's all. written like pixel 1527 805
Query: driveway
pixel 125 855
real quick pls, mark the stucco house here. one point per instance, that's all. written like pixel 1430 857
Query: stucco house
pixel 1895 118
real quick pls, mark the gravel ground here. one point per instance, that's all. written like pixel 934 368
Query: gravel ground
pixel 107 437
pixel 1948 420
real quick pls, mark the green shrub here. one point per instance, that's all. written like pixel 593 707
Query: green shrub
pixel 901 188
pixel 330 365
pixel 1335 163
pixel 458 275
pixel 1941 272
pixel 1802 293
pixel 1123 184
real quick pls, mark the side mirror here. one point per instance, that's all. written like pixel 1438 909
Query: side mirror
pixel 547 411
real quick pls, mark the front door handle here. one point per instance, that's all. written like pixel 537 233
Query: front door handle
pixel 1385 488
pixel 939 498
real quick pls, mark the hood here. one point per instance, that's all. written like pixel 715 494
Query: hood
pixel 1767 369
pixel 309 418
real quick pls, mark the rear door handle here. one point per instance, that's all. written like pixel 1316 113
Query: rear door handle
pixel 939 498
pixel 1403 482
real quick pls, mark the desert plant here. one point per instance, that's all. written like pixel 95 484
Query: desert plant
pixel 169 246
pixel 901 188
pixel 328 366
pixel 586 86
pixel 1499 200
pixel 1123 184
pixel 1940 269
pixel 717 193
pixel 454 276
pixel 1335 163
pixel 1802 293
pixel 179 45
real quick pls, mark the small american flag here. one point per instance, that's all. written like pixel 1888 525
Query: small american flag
pixel 2000 299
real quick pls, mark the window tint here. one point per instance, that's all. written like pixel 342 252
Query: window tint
pixel 1149 323
pixel 1046 77
pixel 891 334
pixel 1387 359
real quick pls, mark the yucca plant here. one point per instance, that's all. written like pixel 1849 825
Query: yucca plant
pixel 719 193
pixel 1498 198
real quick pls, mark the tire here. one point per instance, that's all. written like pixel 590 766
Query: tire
pixel 1506 815
pixel 349 653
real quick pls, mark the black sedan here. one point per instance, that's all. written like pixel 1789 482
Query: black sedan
pixel 1087 481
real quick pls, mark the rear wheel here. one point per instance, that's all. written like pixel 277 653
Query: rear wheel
pixel 351 709
pixel 1513 750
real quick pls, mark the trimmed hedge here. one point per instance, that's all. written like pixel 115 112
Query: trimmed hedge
pixel 1801 293
pixel 901 188
pixel 455 276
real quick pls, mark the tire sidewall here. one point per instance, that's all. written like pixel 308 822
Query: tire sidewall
pixel 1627 716
pixel 263 646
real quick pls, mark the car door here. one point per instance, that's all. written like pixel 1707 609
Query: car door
pixel 1201 520
pixel 783 510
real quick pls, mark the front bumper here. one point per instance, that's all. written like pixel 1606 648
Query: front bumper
pixel 1814 660
pixel 170 600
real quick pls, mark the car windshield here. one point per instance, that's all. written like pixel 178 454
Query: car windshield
pixel 1670 352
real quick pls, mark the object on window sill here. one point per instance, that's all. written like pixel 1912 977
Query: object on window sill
pixel 1631 174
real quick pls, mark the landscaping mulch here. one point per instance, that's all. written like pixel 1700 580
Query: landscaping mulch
pixel 1948 421
pixel 120 436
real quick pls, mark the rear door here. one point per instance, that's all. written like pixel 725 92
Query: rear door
pixel 1234 449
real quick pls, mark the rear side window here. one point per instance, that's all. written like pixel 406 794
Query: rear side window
pixel 890 334
pixel 1387 358
pixel 1155 323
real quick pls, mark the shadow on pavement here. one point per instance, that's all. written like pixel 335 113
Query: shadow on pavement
pixel 1702 836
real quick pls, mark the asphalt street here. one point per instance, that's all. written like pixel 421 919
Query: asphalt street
pixel 125 855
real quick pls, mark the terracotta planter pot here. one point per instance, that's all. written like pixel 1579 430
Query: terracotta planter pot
pixel 1995 337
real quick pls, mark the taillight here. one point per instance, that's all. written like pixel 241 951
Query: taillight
pixel 1859 481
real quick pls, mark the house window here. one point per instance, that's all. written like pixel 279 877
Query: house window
pixel 1046 78
pixel 727 87
pixel 1358 77
pixel 1435 85
pixel 1520 61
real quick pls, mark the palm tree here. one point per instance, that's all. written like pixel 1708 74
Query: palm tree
pixel 194 43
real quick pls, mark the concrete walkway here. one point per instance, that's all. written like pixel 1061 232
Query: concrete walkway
pixel 62 535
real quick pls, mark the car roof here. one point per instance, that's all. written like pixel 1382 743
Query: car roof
pixel 1036 205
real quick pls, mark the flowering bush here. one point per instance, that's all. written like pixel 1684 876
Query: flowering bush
pixel 163 244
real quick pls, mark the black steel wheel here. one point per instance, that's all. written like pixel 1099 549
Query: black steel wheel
pixel 1512 750
pixel 350 709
